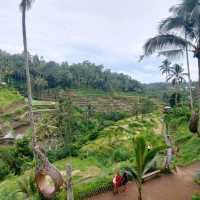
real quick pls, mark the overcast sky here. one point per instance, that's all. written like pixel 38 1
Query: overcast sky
pixel 108 32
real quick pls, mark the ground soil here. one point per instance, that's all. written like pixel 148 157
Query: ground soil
pixel 178 186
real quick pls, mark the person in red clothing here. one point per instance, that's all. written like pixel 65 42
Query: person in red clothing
pixel 117 182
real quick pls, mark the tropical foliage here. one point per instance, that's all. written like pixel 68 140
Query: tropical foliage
pixel 145 159
pixel 178 32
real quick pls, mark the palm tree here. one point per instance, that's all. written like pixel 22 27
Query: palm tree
pixel 165 68
pixel 177 77
pixel 24 6
pixel 145 159
pixel 180 21
pixel 183 37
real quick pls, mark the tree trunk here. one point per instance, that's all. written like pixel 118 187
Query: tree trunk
pixel 70 195
pixel 189 79
pixel 199 73
pixel 28 79
pixel 176 95
pixel 198 88
pixel 169 150
pixel 140 191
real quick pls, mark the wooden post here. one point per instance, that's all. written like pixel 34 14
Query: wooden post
pixel 70 195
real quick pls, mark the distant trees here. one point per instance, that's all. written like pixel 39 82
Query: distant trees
pixel 54 75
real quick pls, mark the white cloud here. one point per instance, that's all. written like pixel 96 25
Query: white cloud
pixel 106 32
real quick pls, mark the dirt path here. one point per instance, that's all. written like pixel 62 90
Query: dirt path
pixel 178 186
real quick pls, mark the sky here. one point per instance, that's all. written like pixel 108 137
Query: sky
pixel 108 32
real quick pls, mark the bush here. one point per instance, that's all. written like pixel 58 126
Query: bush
pixel 4 169
pixel 19 157
pixel 22 156
pixel 93 135
pixel 178 115
pixel 62 153
pixel 27 186
pixel 172 100
pixel 120 155
pixel 115 116
pixel 196 197
pixel 86 190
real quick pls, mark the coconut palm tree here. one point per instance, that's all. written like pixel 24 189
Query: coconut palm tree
pixel 180 22
pixel 175 43
pixel 177 77
pixel 24 6
pixel 145 159
pixel 165 68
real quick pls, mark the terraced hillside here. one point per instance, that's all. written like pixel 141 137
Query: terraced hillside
pixel 99 100
pixel 14 114
pixel 8 97
pixel 98 160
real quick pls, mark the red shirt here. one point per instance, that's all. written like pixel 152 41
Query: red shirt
pixel 117 180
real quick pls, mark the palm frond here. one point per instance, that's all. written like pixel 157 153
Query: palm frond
pixel 175 9
pixel 195 14
pixel 163 42
pixel 171 24
pixel 151 157
pixel 172 54
pixel 139 152
pixel 27 4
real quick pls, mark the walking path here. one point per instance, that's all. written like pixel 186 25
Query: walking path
pixel 178 186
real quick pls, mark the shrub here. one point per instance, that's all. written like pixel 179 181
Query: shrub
pixel 196 197
pixel 4 169
pixel 22 156
pixel 93 135
pixel 86 190
pixel 120 155
pixel 54 155
pixel 27 186
pixel 22 147
pixel 172 100
pixel 19 157
pixel 115 116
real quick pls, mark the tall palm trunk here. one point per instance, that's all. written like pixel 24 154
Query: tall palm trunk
pixel 28 79
pixel 176 94
pixel 198 88
pixel 140 191
pixel 189 76
pixel 199 73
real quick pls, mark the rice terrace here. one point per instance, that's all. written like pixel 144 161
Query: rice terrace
pixel 100 100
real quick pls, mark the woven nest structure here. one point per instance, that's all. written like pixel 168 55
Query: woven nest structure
pixel 48 178
pixel 193 124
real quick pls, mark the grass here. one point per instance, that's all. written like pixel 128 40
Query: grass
pixel 121 135
pixel 189 147
pixel 84 171
pixel 8 96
